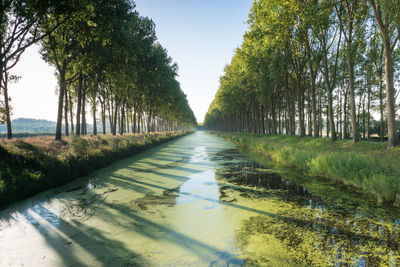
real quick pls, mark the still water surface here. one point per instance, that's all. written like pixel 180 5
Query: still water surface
pixel 198 201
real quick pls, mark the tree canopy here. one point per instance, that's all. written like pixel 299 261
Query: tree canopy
pixel 313 67
pixel 106 57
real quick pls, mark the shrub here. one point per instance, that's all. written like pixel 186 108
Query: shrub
pixel 79 145
pixel 31 165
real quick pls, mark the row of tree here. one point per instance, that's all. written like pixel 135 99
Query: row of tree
pixel 303 60
pixel 106 59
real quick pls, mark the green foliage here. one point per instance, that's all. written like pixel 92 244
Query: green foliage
pixel 309 67
pixel 107 52
pixel 103 52
pixel 79 145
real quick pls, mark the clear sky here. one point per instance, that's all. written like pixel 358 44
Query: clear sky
pixel 199 35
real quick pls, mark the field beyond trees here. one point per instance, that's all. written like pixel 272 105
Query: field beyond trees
pixel 366 166
pixel 32 165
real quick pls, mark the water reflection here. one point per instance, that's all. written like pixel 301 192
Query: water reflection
pixel 201 185
pixel 253 174
pixel 198 213
pixel 311 231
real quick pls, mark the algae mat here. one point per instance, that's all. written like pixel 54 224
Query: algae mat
pixel 196 201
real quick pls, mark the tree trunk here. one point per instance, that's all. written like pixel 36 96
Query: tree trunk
pixel 368 109
pixel 383 24
pixel 71 115
pixel 320 124
pixel 286 121
pixel 114 127
pixel 122 121
pixel 381 128
pixel 309 115
pixel 134 121
pixel 63 87
pixel 148 123
pixel 339 123
pixel 330 107
pixel 138 125
pixel 142 122
pixel 78 107
pixel 262 119
pixel 345 124
pixel 110 119
pixel 94 116
pixel 83 127
pixel 7 106
pixel 391 113
pixel 363 118
pixel 354 124
pixel 301 111
pixel 290 104
pixel 273 113
pixel 66 114
pixel 128 120
pixel 103 117
pixel 314 107
pixel 279 119
pixel 328 126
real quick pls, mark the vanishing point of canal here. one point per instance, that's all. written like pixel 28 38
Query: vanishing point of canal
pixel 198 201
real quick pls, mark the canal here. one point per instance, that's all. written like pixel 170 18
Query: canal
pixel 199 201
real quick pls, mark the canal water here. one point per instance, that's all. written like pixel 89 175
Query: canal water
pixel 199 201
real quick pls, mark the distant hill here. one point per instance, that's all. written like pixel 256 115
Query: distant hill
pixel 25 125
pixel 34 126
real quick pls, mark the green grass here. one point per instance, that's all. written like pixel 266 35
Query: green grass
pixel 32 165
pixel 367 166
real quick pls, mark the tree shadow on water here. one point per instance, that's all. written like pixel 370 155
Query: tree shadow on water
pixel 69 237
pixel 162 233
pixel 310 224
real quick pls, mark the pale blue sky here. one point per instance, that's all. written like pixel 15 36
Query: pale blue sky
pixel 199 35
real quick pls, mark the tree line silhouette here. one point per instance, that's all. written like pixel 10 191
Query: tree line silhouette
pixel 107 60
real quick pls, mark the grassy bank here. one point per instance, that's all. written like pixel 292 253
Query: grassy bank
pixel 367 166
pixel 32 165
